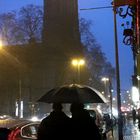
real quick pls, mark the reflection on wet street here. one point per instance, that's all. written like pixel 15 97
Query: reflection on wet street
pixel 130 131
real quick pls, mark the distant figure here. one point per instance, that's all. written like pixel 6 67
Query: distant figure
pixel 134 115
pixel 4 132
pixel 83 125
pixel 108 121
pixel 138 117
pixel 54 126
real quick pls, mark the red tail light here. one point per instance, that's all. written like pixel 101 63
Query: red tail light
pixel 14 135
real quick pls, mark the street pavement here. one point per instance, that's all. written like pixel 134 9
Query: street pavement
pixel 130 131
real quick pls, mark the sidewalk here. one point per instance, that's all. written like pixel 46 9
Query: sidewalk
pixel 130 131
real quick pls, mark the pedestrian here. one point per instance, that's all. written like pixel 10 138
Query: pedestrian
pixel 83 125
pixel 134 115
pixel 138 117
pixel 54 126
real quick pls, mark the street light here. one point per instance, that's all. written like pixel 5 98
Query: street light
pixel 108 93
pixel 108 90
pixel 19 102
pixel 78 63
pixel 120 130
pixel 105 80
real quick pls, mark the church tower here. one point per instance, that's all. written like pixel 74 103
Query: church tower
pixel 61 26
pixel 61 38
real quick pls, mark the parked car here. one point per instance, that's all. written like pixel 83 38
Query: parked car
pixel 22 130
pixel 96 116
pixel 101 123
pixel 109 120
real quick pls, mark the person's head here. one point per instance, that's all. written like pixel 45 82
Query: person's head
pixel 75 107
pixel 57 106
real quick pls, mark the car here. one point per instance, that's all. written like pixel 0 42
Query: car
pixel 21 129
pixel 100 122
pixel 109 120
pixel 97 116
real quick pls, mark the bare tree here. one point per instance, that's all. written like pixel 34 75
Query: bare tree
pixel 30 22
pixel 22 27
pixel 97 61
pixel 7 27
pixel 26 26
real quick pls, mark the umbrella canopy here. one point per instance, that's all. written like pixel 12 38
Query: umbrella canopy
pixel 73 93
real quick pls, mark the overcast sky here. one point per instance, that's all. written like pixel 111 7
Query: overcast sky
pixel 103 29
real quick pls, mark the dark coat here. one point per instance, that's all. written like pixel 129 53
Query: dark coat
pixel 84 126
pixel 54 126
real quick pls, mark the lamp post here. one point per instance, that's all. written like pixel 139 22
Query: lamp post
pixel 19 101
pixel 120 130
pixel 78 63
pixel 105 80
pixel 108 91
pixel 138 77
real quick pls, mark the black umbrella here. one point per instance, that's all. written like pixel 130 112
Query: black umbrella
pixel 73 93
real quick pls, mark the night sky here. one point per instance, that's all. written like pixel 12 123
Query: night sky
pixel 103 30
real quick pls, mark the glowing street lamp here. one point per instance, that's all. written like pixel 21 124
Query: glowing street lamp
pixel 1 44
pixel 108 90
pixel 78 63
pixel 135 95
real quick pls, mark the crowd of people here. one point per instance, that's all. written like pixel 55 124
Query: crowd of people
pixel 58 125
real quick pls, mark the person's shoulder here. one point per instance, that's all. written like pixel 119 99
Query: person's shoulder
pixel 45 119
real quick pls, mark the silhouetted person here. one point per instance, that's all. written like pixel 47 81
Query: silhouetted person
pixel 134 115
pixel 83 125
pixel 54 126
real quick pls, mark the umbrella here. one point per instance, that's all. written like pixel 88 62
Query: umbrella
pixel 73 93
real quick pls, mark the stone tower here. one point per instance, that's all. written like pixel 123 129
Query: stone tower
pixel 61 29
pixel 61 39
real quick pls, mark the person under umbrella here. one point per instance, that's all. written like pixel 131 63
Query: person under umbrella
pixel 55 125
pixel 83 125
